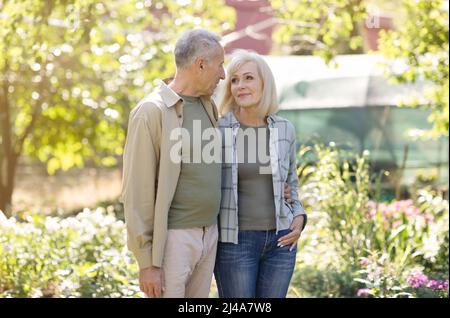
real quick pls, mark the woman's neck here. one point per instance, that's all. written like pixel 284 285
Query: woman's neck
pixel 250 116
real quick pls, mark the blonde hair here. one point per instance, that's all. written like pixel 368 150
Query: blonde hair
pixel 268 103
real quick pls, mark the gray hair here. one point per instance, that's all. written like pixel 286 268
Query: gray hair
pixel 195 43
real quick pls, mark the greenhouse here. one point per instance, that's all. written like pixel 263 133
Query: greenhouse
pixel 353 105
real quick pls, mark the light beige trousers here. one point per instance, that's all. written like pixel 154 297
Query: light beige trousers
pixel 188 262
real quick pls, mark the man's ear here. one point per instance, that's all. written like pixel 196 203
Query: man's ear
pixel 200 63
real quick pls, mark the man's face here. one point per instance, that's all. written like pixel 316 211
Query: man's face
pixel 212 72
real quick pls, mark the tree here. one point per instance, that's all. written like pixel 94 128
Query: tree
pixel 421 42
pixel 72 69
pixel 324 28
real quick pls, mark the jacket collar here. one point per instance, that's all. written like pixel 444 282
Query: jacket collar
pixel 169 97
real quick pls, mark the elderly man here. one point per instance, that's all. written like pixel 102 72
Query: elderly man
pixel 171 205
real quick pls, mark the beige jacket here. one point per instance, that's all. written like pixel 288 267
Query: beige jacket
pixel 150 177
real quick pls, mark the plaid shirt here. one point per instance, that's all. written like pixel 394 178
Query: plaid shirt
pixel 284 170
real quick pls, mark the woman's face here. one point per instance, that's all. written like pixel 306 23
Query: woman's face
pixel 246 85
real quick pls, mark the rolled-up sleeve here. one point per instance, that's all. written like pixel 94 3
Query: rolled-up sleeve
pixel 140 163
pixel 292 180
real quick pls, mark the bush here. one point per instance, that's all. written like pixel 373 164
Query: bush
pixel 434 256
pixel 338 186
pixel 380 277
pixel 420 285
pixel 309 281
pixel 80 256
pixel 377 243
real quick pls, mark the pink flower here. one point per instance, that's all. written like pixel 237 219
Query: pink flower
pixel 428 217
pixel 438 284
pixel 362 292
pixel 412 211
pixel 396 224
pixel 417 279
pixel 364 261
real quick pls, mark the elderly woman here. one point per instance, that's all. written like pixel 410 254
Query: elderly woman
pixel 258 228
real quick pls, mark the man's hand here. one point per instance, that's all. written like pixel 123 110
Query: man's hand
pixel 151 281
pixel 292 238
pixel 287 193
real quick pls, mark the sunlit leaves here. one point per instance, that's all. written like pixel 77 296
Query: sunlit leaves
pixel 422 43
pixel 81 65
pixel 325 28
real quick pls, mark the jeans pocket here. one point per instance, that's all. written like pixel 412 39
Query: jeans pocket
pixel 282 233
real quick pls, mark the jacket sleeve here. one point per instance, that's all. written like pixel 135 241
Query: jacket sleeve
pixel 140 164
pixel 292 180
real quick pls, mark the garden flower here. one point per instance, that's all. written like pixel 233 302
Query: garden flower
pixel 412 211
pixel 52 224
pixel 363 292
pixel 2 217
pixel 364 261
pixel 417 279
pixel 396 224
pixel 372 207
pixel 438 284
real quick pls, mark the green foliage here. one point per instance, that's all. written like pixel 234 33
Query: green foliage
pixel 349 235
pixel 403 232
pixel 81 66
pixel 440 263
pixel 72 70
pixel 80 256
pixel 434 252
pixel 323 283
pixel 339 190
pixel 380 277
pixel 421 43
pixel 324 28
pixel 403 248
pixel 405 239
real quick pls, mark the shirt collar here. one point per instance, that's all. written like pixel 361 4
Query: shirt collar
pixel 169 97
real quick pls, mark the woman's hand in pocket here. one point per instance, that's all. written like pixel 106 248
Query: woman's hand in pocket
pixel 292 237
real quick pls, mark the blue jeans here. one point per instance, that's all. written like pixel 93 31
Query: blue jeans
pixel 255 267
